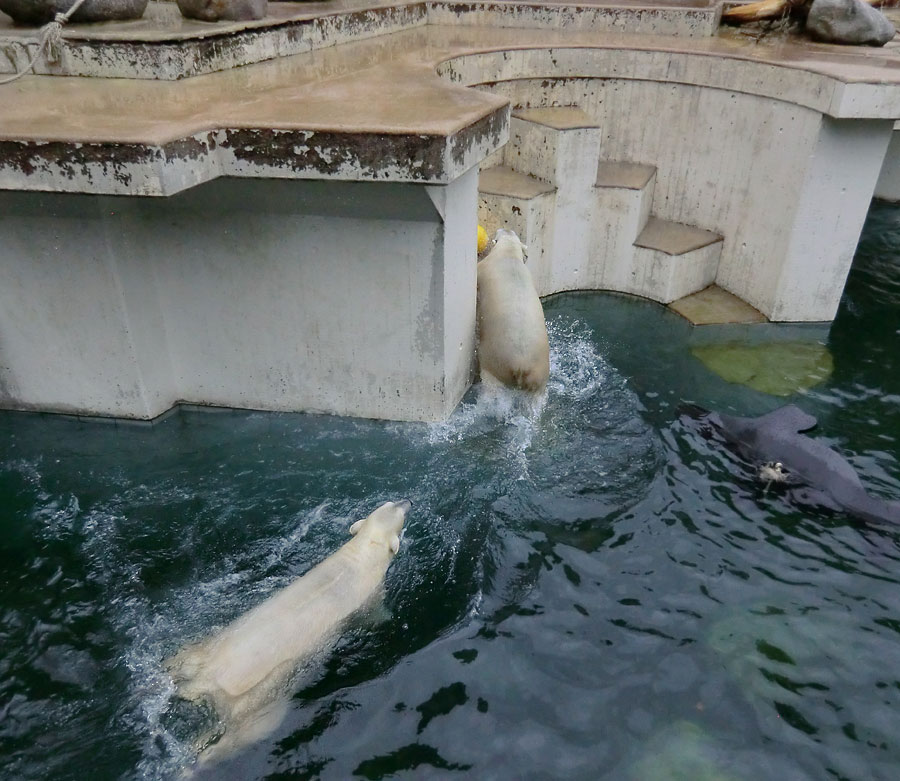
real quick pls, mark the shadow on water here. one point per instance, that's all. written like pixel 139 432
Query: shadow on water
pixel 586 588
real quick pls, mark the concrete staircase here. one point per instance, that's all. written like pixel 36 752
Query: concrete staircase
pixel 588 224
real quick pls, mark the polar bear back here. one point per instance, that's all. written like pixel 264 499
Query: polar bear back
pixel 263 645
pixel 512 334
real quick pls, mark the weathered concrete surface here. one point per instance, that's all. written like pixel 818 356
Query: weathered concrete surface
pixel 750 167
pixel 520 203
pixel 300 117
pixel 355 299
pixel 839 180
pixel 163 45
pixel 560 146
pixel 122 306
pixel 376 109
pixel 690 18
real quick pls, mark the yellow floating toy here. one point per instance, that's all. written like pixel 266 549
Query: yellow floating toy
pixel 482 239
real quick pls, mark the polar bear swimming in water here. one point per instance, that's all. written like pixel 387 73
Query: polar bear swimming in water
pixel 513 348
pixel 243 669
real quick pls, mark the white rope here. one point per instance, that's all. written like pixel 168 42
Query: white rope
pixel 50 39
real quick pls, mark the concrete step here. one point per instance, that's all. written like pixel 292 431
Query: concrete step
pixel 503 180
pixel 559 145
pixel 626 176
pixel 622 193
pixel 513 200
pixel 553 144
pixel 712 305
pixel 672 260
pixel 674 238
pixel 556 117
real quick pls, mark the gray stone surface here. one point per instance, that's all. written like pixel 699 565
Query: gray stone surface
pixel 223 10
pixel 43 11
pixel 849 22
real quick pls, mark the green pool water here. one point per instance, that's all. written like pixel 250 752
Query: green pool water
pixel 591 590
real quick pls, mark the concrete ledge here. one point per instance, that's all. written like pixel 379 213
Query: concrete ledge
pixel 163 45
pixel 841 82
pixel 673 238
pixel 376 110
pixel 502 180
pixel 169 168
pixel 690 18
pixel 556 117
pixel 628 176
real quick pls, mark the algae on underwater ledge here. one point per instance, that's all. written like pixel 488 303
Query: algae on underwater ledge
pixel 779 368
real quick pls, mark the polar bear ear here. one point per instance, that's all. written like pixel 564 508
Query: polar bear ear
pixel 356 526
pixel 395 544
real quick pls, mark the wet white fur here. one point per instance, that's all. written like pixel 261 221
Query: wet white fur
pixel 244 668
pixel 513 348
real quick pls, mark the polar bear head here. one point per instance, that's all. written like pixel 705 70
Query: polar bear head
pixel 384 524
pixel 506 244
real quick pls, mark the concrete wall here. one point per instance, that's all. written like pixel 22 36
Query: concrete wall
pixel 888 186
pixel 349 298
pixel 786 186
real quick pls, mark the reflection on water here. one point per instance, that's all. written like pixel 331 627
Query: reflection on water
pixel 586 587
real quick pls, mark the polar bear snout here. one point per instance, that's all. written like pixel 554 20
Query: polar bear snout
pixel 405 505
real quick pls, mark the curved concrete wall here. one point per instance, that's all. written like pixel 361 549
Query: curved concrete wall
pixel 786 185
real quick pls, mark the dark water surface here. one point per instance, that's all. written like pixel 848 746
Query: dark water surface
pixel 594 591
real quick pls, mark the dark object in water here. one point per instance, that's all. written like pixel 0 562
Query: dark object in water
pixel 826 476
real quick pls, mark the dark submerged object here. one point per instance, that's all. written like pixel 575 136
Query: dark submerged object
pixel 777 438
pixel 37 12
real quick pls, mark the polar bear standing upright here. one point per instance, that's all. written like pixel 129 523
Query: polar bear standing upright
pixel 512 335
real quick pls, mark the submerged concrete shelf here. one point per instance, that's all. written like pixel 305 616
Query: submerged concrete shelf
pixel 712 305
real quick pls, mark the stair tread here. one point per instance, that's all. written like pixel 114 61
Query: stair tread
pixel 629 176
pixel 714 305
pixel 503 180
pixel 557 117
pixel 674 238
